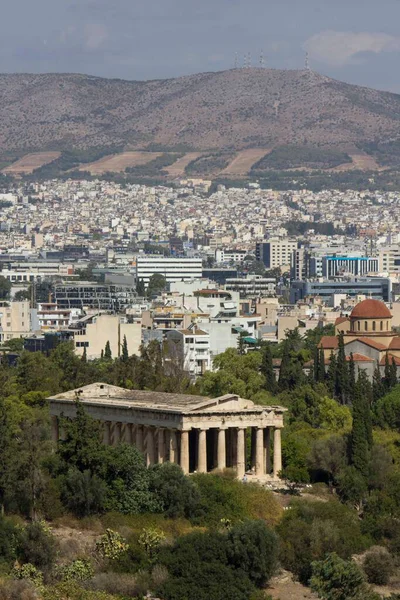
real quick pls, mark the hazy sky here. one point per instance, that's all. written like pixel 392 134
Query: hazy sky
pixel 354 40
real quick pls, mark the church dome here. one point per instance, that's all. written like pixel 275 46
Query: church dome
pixel 371 309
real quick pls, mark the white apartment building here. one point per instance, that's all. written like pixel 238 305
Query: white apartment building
pixel 95 331
pixel 389 259
pixel 51 318
pixel 15 320
pixel 173 269
pixel 252 285
pixel 230 256
pixel 276 252
pixel 28 272
pixel 192 347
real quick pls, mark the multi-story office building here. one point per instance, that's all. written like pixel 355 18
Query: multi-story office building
pixel 389 259
pixel 173 269
pixel 98 296
pixel 276 253
pixel 230 256
pixel 25 272
pixel 332 266
pixel 252 285
pixel 379 288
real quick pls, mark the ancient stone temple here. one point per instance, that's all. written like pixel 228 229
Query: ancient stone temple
pixel 200 434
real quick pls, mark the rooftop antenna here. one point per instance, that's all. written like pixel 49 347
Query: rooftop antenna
pixel 249 60
pixel 307 62
pixel 262 59
pixel 236 60
pixel 245 61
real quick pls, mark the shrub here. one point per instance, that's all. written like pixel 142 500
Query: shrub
pixel 254 549
pixel 337 579
pixel 378 566
pixel 37 546
pixel 79 570
pixel 71 590
pixel 30 573
pixel 111 545
pixel 178 494
pixel 8 540
pixel 151 540
pixel 83 493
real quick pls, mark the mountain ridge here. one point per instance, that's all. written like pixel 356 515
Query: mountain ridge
pixel 234 109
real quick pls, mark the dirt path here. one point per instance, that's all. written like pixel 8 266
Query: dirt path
pixel 30 162
pixel 283 587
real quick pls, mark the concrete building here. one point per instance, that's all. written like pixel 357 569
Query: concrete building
pixel 389 259
pixel 252 285
pixel 94 332
pixel 332 266
pixel 192 348
pixel 379 288
pixel 200 434
pixel 15 320
pixel 50 317
pixel 229 256
pixel 98 296
pixel 276 253
pixel 173 269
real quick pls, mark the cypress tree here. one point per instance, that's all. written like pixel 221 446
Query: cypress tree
pixel 352 377
pixel 84 355
pixel 125 353
pixel 321 366
pixel 378 388
pixel 107 351
pixel 387 373
pixel 342 372
pixel 393 373
pixel 331 376
pixel 316 363
pixel 267 370
pixel 140 288
pixel 284 370
pixel 361 434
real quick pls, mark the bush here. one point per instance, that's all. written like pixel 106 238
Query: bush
pixel 311 529
pixel 337 579
pixel 178 494
pixel 378 566
pixel 79 570
pixel 111 545
pixel 254 549
pixel 17 590
pixel 83 493
pixel 8 540
pixel 37 546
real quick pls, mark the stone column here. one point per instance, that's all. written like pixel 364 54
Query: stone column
pixel 128 437
pixel 107 433
pixel 150 453
pixel 277 452
pixel 202 451
pixel 161 446
pixel 184 458
pixel 241 453
pixel 55 429
pixel 253 447
pixel 139 438
pixel 173 446
pixel 260 470
pixel 267 449
pixel 221 462
pixel 117 433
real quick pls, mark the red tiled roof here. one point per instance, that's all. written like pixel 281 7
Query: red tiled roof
pixel 391 357
pixel 360 358
pixel 368 342
pixel 395 343
pixel 328 342
pixel 340 320
pixel 371 309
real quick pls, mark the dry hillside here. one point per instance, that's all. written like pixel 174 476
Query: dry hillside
pixel 243 108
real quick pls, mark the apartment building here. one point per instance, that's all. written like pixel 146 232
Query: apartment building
pixel 192 347
pixel 173 269
pixel 230 256
pixel 389 258
pixel 252 285
pixel 15 320
pixel 93 333
pixel 98 296
pixel 50 317
pixel 276 252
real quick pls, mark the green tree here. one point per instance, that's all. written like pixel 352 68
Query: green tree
pixel 336 579
pixel 321 375
pixel 140 288
pixel 157 284
pixel 361 434
pixel 177 494
pixel 8 454
pixel 393 373
pixel 352 377
pixel 342 372
pixel 107 351
pixel 331 375
pixel 387 376
pixel 267 370
pixel 378 388
pixel 125 353
pixel 21 295
pixel 5 288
